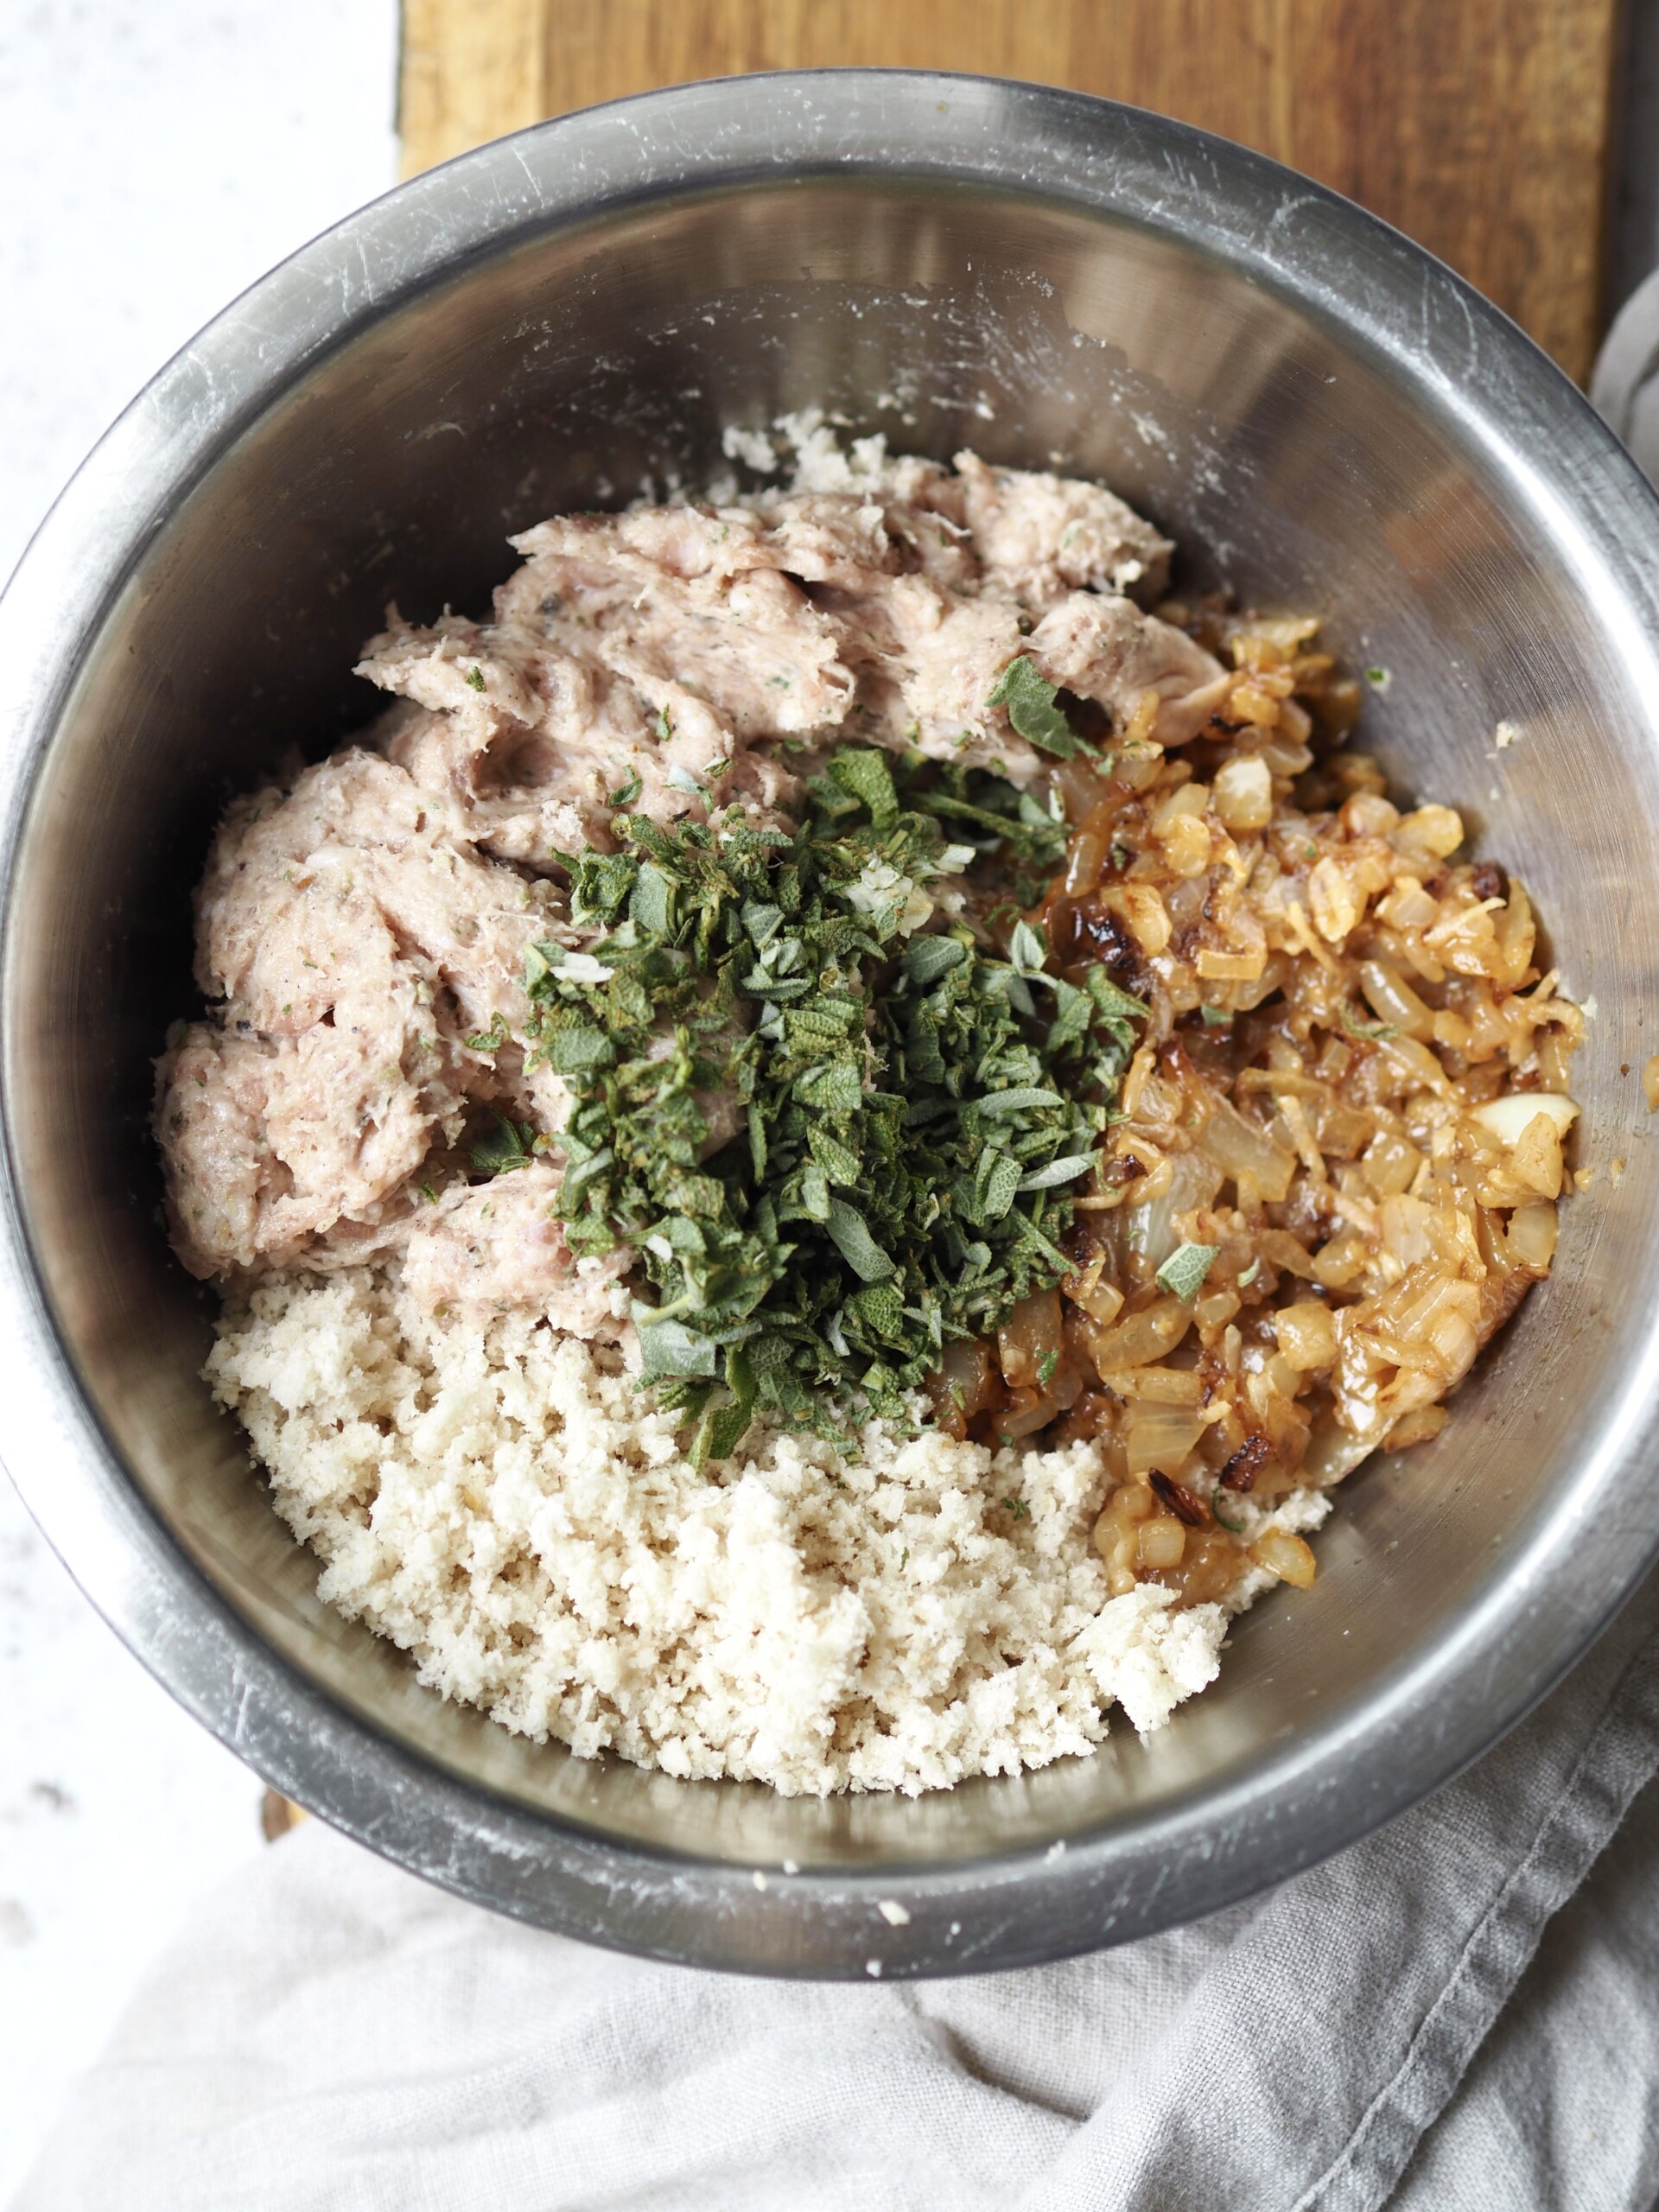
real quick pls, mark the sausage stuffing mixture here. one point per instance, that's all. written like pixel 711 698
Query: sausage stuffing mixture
pixel 822 1144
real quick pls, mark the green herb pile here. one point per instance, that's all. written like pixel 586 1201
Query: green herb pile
pixel 913 1109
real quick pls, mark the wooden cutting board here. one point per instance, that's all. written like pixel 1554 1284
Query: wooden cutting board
pixel 1481 127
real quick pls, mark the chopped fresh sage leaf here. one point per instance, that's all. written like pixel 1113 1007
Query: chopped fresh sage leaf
pixel 907 1120
pixel 855 1243
pixel 493 1039
pixel 669 1347
pixel 1183 1273
pixel 626 793
pixel 1112 1004
pixel 1215 1017
pixel 931 958
pixel 1249 1275
pixel 868 777
pixel 1371 1032
pixel 1058 1172
pixel 1233 1527
pixel 1018 1100
pixel 1030 702
pixel 1027 950
pixel 510 1144
pixel 475 678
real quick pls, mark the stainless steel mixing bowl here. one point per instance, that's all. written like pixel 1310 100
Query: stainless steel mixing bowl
pixel 1323 416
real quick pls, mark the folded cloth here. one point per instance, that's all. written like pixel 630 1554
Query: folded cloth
pixel 1624 389
pixel 1449 2014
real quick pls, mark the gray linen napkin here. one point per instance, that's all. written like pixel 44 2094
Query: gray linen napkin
pixel 1446 2016
pixel 1624 389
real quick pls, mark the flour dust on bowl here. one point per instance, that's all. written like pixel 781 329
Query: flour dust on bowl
pixel 1329 428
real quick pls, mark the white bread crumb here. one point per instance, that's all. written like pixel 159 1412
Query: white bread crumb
pixel 500 1502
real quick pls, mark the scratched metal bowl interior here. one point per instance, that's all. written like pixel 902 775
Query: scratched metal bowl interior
pixel 1322 418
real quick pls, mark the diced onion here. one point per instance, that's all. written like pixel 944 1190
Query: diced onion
pixel 1507 1118
pixel 1239 1147
pixel 1189 801
pixel 1308 1335
pixel 1030 1335
pixel 1160 1436
pixel 1532 1234
pixel 1031 1408
pixel 1335 901
pixel 1332 1452
pixel 1149 1229
pixel 1415 1427
pixel 1283 1250
pixel 1244 792
pixel 1389 1163
pixel 1434 830
pixel 1159 1542
pixel 1084 862
pixel 964 1385
pixel 1392 999
pixel 1284 1555
pixel 1140 1339
pixel 1142 909
pixel 1186 846
pixel 1159 1386
pixel 1094 1292
pixel 1218 966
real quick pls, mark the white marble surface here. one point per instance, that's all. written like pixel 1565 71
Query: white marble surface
pixel 155 157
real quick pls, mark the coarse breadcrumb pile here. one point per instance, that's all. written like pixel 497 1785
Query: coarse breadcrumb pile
pixel 503 1503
